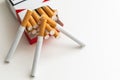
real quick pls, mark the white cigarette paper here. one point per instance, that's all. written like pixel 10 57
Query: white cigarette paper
pixel 65 32
pixel 15 43
pixel 37 56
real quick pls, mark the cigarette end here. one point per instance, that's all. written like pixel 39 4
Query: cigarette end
pixel 52 32
pixel 82 45
pixel 54 17
pixel 7 61
pixel 46 37
pixel 50 29
pixel 55 12
pixel 29 26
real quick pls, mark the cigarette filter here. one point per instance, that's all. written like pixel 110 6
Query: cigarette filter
pixel 36 16
pixel 50 21
pixel 54 13
pixel 42 27
pixel 41 11
pixel 26 18
pixel 48 11
pixel 29 26
pixel 46 35
pixel 50 29
pixel 32 21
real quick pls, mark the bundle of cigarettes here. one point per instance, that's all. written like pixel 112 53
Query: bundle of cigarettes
pixel 41 23
pixel 32 26
pixel 20 7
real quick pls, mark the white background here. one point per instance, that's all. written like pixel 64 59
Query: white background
pixel 94 22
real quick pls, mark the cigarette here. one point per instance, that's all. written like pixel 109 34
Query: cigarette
pixel 38 47
pixel 18 36
pixel 26 18
pixel 14 44
pixel 32 21
pixel 29 26
pixel 37 56
pixel 41 11
pixel 65 32
pixel 51 22
pixel 50 29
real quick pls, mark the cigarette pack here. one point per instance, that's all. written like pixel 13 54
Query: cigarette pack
pixel 19 8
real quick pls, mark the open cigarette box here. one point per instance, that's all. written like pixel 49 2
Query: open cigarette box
pixel 38 19
pixel 19 8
